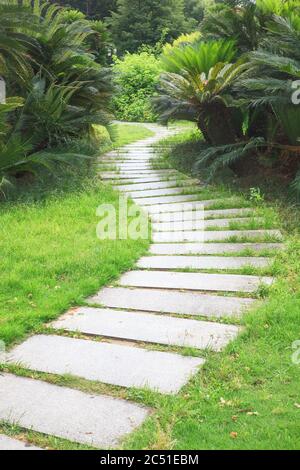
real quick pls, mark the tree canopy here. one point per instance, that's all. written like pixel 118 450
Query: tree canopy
pixel 138 22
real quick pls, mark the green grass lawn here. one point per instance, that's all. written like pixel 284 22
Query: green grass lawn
pixel 50 257
pixel 246 397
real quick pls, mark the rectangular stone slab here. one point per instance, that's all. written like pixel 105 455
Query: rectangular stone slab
pixel 7 443
pixel 149 193
pixel 137 166
pixel 201 262
pixel 147 172
pixel 165 199
pixel 128 162
pixel 210 235
pixel 179 206
pixel 96 420
pixel 167 301
pixel 126 157
pixel 209 248
pixel 145 186
pixel 147 327
pixel 134 175
pixel 191 215
pixel 188 225
pixel 193 281
pixel 126 366
pixel 140 179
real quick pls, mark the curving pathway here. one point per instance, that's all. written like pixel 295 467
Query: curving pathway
pixel 168 299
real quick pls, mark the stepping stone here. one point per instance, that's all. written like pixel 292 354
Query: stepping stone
pixel 193 281
pixel 155 192
pixel 207 236
pixel 133 175
pixel 140 179
pixel 136 176
pixel 133 171
pixel 164 301
pixel 149 201
pixel 201 262
pixel 180 206
pixel 7 443
pixel 133 159
pixel 147 327
pixel 145 186
pixel 209 248
pixel 223 213
pixel 188 225
pixel 191 215
pixel 95 420
pixel 136 166
pixel 126 366
pixel 125 157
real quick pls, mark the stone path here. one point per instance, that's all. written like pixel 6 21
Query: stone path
pixel 7 443
pixel 128 327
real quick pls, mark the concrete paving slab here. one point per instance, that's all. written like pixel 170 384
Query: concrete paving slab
pixel 148 186
pixel 140 179
pixel 192 215
pixel 188 225
pixel 211 235
pixel 165 301
pixel 96 420
pixel 7 443
pixel 180 206
pixel 209 248
pixel 114 364
pixel 149 193
pixel 133 171
pixel 147 327
pixel 201 262
pixel 193 281
pixel 133 176
pixel 149 201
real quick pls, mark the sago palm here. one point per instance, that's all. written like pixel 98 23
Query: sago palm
pixel 240 23
pixel 197 86
pixel 17 24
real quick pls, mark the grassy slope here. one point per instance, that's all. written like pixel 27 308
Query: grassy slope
pixel 51 258
pixel 247 397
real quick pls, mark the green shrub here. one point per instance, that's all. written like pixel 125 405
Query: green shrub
pixel 136 77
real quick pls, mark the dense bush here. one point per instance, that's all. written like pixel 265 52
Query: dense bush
pixel 136 77
pixel 237 84
pixel 47 60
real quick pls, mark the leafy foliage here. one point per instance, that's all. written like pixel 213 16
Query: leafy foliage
pixel 137 22
pixel 63 90
pixel 246 103
pixel 136 77
pixel 196 86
